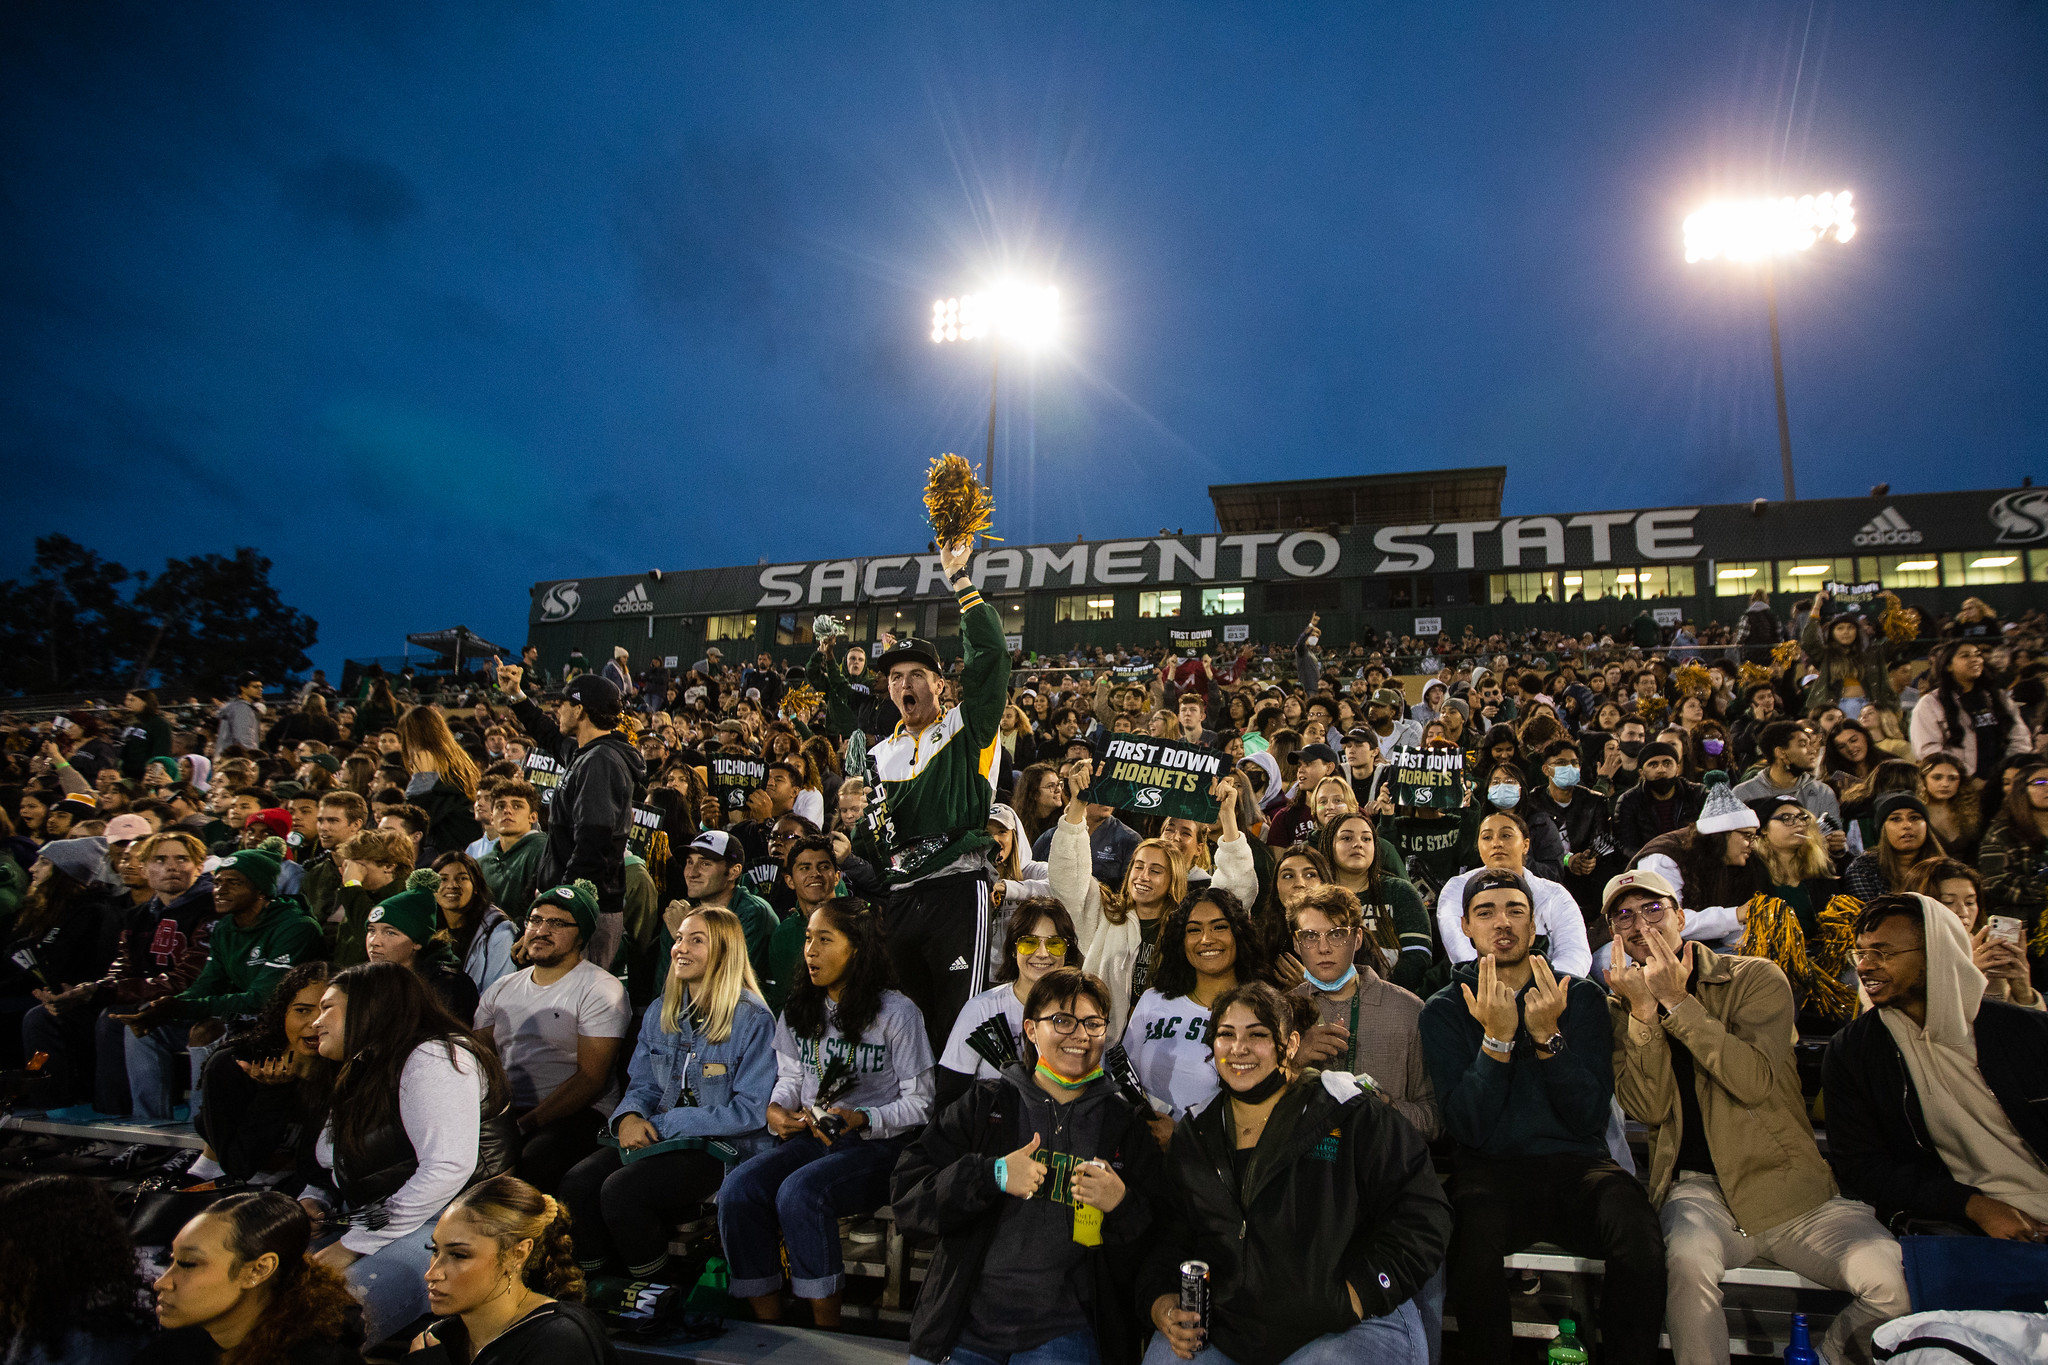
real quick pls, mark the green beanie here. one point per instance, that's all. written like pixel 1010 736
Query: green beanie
pixel 412 911
pixel 327 761
pixel 169 765
pixel 258 867
pixel 579 898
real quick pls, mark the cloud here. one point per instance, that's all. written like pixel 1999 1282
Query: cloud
pixel 350 193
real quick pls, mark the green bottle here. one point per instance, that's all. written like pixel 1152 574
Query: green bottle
pixel 1565 1348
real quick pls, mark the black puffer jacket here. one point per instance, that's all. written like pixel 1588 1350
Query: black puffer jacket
pixel 944 1185
pixel 1339 1191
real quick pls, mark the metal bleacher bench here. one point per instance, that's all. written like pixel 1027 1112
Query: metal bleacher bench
pixel 105 1130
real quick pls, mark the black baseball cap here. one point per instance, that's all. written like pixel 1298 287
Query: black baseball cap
pixel 1315 751
pixel 1358 734
pixel 594 692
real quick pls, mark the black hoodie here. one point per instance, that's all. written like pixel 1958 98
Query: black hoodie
pixel 1339 1191
pixel 591 811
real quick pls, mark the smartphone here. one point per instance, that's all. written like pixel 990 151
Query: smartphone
pixel 2004 929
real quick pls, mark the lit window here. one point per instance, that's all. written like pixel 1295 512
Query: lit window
pixel 1158 604
pixel 1980 569
pixel 1741 579
pixel 1084 607
pixel 739 626
pixel 792 629
pixel 1223 601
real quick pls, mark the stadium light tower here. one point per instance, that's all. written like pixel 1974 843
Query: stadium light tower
pixel 1026 316
pixel 1757 232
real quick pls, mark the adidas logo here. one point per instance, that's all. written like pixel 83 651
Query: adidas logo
pixel 636 599
pixel 959 965
pixel 1887 528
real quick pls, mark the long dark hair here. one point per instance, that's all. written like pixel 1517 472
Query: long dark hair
pixel 867 976
pixel 306 1298
pixel 480 902
pixel 391 1012
pixel 1952 727
pixel 1023 796
pixel 1175 975
pixel 1282 1014
pixel 147 697
pixel 2019 812
pixel 53 903
pixel 65 1262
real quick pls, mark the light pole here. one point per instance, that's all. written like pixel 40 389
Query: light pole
pixel 1759 231
pixel 1027 315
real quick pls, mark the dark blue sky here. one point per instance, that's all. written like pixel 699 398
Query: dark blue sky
pixel 429 302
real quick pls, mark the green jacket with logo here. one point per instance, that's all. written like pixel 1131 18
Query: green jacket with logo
pixel 243 965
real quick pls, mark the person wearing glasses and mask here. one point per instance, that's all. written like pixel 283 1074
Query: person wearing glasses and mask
pixel 1703 1058
pixel 1364 1022
pixel 1038 937
pixel 1039 1184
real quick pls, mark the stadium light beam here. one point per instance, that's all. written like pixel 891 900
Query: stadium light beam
pixel 1758 231
pixel 1026 316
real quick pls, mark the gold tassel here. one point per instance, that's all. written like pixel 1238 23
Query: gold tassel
pixel 801 700
pixel 1815 969
pixel 1749 675
pixel 1691 680
pixel 1651 710
pixel 1783 654
pixel 2038 945
pixel 1900 623
pixel 958 506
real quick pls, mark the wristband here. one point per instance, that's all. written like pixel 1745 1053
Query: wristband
pixel 1003 1174
pixel 1496 1045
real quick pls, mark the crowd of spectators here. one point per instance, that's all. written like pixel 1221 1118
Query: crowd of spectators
pixel 474 990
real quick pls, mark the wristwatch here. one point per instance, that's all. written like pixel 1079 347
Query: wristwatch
pixel 1551 1046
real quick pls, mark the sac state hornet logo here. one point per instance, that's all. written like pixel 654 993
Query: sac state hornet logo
pixel 560 601
pixel 1148 799
pixel 2021 517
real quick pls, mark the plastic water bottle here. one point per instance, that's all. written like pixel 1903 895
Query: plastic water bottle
pixel 1800 1350
pixel 1564 1347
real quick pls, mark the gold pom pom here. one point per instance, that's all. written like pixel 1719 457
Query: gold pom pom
pixel 1651 709
pixel 1750 675
pixel 1691 680
pixel 958 507
pixel 1783 655
pixel 1901 623
pixel 801 700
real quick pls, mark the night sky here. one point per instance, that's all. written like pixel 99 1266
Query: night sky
pixel 428 302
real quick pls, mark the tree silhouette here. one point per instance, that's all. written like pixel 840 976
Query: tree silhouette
pixel 80 623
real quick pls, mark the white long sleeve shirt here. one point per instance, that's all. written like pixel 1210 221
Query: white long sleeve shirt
pixel 892 1067
pixel 440 1104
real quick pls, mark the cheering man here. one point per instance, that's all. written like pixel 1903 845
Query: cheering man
pixel 935 774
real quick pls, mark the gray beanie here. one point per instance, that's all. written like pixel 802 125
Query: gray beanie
pixel 83 860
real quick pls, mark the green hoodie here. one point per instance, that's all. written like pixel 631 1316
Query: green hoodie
pixel 514 875
pixel 243 965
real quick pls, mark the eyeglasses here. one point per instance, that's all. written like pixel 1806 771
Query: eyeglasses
pixel 1032 943
pixel 536 922
pixel 1311 938
pixel 1793 819
pixel 1879 956
pixel 1652 912
pixel 1064 1024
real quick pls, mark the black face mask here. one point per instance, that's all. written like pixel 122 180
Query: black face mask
pixel 1630 747
pixel 1663 789
pixel 1264 1090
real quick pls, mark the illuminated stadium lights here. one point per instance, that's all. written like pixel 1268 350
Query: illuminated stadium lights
pixel 1989 562
pixel 1027 316
pixel 1917 566
pixel 1809 570
pixel 1760 230
pixel 1754 229
pixel 1738 573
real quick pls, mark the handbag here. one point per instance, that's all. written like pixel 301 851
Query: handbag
pixel 159 1208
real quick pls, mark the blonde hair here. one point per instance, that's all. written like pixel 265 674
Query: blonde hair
pixel 1117 906
pixel 1350 795
pixel 1803 862
pixel 422 733
pixel 727 977
pixel 385 847
pixel 509 1211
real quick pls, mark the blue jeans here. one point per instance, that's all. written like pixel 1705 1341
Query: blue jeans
pixel 390 1282
pixel 154 1060
pixel 1396 1339
pixel 1075 1348
pixel 803 1188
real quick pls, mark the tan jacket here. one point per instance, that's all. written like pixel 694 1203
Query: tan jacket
pixel 1739 1026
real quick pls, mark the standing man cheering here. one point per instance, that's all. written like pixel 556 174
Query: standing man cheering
pixel 935 775
pixel 592 810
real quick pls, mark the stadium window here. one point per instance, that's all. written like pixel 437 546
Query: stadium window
pixel 1811 574
pixel 1524 587
pixel 738 626
pixel 1978 568
pixel 1425 591
pixel 1595 584
pixel 947 624
pixel 791 629
pixel 2037 565
pixel 1155 605
pixel 1665 580
pixel 1011 609
pixel 1086 606
pixel 1315 594
pixel 1740 579
pixel 1223 601
pixel 1903 571
pixel 1400 592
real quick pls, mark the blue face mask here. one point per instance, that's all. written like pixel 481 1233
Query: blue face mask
pixel 1503 796
pixel 1565 776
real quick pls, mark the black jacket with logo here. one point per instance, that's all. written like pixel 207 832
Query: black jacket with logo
pixel 1339 1191
pixel 591 811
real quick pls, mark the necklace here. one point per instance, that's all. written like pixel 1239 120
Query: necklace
pixel 519 1312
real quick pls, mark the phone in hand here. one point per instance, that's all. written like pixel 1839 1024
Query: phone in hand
pixel 2004 929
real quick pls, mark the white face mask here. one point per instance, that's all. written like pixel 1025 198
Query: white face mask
pixel 1504 796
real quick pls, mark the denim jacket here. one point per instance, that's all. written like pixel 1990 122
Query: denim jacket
pixel 731 1080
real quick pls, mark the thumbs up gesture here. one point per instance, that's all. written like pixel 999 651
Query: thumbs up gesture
pixel 1023 1173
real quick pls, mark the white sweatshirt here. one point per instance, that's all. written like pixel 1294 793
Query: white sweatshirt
pixel 1557 918
pixel 892 1067
pixel 1168 1043
pixel 440 1103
